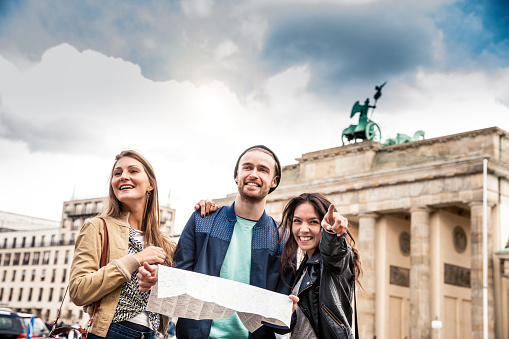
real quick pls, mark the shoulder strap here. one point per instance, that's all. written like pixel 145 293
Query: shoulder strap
pixel 104 255
pixel 104 258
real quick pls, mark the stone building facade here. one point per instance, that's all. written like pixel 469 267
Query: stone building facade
pixel 36 254
pixel 416 212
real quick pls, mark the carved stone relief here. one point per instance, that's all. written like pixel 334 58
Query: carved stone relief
pixel 460 239
pixel 404 243
pixel 456 275
pixel 399 276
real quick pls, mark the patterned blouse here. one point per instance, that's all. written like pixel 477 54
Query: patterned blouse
pixel 132 302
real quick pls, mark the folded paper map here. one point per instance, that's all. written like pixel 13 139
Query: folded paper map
pixel 186 294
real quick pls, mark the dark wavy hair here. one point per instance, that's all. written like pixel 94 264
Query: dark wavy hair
pixel 321 205
pixel 150 224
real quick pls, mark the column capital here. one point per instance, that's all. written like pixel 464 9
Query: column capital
pixel 480 202
pixel 421 209
pixel 373 215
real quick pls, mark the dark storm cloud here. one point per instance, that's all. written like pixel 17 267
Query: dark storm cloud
pixel 119 29
pixel 344 45
pixel 157 35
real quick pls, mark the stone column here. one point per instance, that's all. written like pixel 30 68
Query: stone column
pixel 420 318
pixel 381 315
pixel 366 300
pixel 435 276
pixel 476 272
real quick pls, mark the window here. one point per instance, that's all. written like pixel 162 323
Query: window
pixel 43 274
pixel 0 258
pixel 26 258
pixel 14 242
pixel 66 259
pixel 33 275
pixel 53 275
pixel 77 209
pixel 40 294
pixel 1 293
pixel 10 294
pixel 55 260
pixel 13 275
pixel 72 238
pixel 20 295
pixel 23 242
pixel 33 241
pixel 5 243
pixel 45 258
pixel 61 294
pixel 62 239
pixel 35 260
pixel 64 275
pixel 53 243
pixel 30 294
pixel 4 275
pixel 98 207
pixel 15 261
pixel 50 296
pixel 67 208
pixel 23 274
pixel 76 224
pixel 43 240
pixel 88 208
pixel 7 260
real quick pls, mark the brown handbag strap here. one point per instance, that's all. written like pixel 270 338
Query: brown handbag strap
pixel 104 258
pixel 53 327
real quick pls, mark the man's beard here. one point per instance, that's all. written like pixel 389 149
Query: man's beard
pixel 250 198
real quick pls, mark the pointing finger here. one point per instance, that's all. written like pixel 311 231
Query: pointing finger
pixel 330 217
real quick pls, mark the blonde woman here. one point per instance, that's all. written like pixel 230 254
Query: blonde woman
pixel 131 216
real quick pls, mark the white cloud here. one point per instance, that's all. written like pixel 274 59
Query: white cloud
pixel 225 49
pixel 197 8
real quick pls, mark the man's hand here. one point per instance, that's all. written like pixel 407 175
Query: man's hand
pixel 206 207
pixel 295 300
pixel 146 277
pixel 151 255
pixel 334 222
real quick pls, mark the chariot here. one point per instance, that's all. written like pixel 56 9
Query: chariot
pixel 366 129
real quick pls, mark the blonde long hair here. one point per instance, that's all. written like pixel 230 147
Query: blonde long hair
pixel 151 222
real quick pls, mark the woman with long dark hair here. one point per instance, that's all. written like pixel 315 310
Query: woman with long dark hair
pixel 325 280
pixel 131 217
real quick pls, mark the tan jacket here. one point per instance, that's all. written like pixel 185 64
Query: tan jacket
pixel 89 283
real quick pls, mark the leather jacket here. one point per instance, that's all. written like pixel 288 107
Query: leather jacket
pixel 327 288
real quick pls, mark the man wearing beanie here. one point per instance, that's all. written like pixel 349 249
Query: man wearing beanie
pixel 237 242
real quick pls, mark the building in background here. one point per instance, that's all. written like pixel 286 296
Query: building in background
pixel 36 254
pixel 416 212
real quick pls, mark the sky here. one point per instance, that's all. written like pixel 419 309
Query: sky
pixel 190 84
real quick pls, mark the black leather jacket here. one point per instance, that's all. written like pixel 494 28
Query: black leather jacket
pixel 327 288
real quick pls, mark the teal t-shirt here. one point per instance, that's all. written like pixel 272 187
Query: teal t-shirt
pixel 237 267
